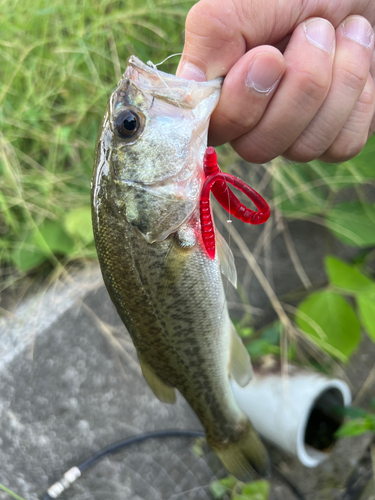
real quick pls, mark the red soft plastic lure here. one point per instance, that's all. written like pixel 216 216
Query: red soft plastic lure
pixel 216 182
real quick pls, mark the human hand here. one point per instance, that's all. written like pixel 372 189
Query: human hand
pixel 299 75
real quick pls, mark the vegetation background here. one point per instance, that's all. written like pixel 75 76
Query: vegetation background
pixel 59 61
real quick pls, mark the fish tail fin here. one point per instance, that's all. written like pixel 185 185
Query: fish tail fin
pixel 245 458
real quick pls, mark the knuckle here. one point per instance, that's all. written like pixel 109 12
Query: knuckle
pixel 301 152
pixel 239 122
pixel 352 76
pixel 309 145
pixel 343 150
pixel 254 151
pixel 205 20
pixel 314 86
pixel 367 98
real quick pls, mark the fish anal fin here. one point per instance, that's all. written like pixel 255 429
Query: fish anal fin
pixel 164 393
pixel 240 367
pixel 246 458
pixel 226 259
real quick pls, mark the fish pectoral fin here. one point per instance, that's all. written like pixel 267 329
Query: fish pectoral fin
pixel 226 259
pixel 240 367
pixel 164 393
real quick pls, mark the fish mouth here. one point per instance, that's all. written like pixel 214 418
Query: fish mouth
pixel 171 88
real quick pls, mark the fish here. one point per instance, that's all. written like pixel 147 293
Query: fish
pixel 146 185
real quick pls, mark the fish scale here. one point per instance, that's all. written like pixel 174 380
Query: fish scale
pixel 166 290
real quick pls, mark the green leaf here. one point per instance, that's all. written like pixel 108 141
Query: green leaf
pixel 222 487
pixel 245 332
pixel 363 165
pixel 218 490
pixel 328 319
pixel 353 223
pixel 370 417
pixel 27 256
pixel 229 482
pixel 346 277
pixel 49 238
pixel 259 347
pixel 260 488
pixel 272 333
pixel 78 224
pixel 52 238
pixel 366 306
pixel 197 447
pixel 350 411
pixel 354 427
pixel 257 490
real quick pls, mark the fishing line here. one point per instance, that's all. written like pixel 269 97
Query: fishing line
pixel 199 137
pixel 202 143
pixel 154 66
pixel 75 472
pixel 178 354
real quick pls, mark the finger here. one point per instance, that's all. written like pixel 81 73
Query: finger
pixel 282 44
pixel 353 136
pixel 219 33
pixel 303 89
pixel 354 47
pixel 372 72
pixel 247 89
pixel 214 40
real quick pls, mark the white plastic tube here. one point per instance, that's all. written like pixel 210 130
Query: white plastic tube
pixel 287 410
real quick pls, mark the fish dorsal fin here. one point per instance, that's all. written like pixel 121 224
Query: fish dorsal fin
pixel 226 259
pixel 240 363
pixel 164 393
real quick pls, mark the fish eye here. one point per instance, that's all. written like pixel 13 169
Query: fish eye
pixel 127 124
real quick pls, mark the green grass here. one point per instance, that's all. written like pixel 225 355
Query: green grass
pixel 60 60
pixel 10 492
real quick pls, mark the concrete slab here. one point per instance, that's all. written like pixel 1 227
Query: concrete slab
pixel 70 384
pixel 72 398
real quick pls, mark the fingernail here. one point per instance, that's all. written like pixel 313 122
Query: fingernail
pixel 191 72
pixel 320 33
pixel 264 73
pixel 358 29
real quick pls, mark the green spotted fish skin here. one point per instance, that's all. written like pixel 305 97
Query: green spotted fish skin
pixel 145 191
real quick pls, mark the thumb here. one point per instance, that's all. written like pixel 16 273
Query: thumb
pixel 219 32
pixel 213 42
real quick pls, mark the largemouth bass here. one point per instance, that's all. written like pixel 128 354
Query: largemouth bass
pixel 145 191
